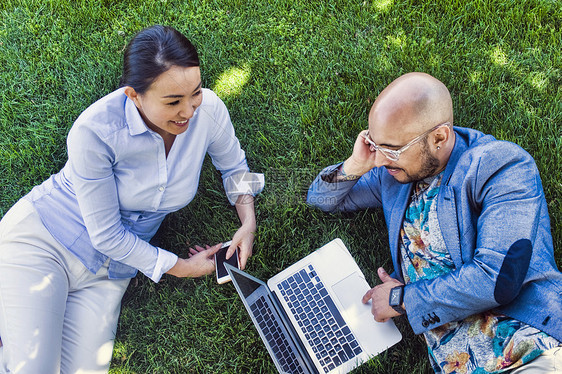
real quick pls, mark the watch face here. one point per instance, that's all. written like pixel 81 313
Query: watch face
pixel 395 297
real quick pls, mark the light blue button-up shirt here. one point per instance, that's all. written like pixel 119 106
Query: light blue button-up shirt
pixel 118 185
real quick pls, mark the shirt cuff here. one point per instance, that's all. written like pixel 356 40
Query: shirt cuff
pixel 244 183
pixel 164 262
pixel 330 174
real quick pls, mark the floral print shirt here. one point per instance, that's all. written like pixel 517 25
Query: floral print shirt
pixel 487 342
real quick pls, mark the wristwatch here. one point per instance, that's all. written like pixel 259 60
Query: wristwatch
pixel 395 299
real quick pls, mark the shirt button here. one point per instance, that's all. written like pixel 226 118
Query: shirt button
pixel 161 188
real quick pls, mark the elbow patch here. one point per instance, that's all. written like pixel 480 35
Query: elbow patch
pixel 513 271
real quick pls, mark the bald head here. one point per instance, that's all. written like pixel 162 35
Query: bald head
pixel 412 103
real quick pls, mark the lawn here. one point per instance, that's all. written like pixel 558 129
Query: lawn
pixel 298 78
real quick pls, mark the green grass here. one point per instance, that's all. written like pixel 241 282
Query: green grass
pixel 302 75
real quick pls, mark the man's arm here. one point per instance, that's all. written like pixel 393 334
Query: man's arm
pixel 348 186
pixel 329 194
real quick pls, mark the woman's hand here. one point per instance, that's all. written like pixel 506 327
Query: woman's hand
pixel 201 262
pixel 244 237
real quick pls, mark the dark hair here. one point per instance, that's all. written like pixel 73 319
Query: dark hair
pixel 153 51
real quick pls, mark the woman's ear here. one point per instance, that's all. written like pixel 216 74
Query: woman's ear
pixel 132 94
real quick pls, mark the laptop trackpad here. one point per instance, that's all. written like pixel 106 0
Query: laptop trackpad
pixel 350 291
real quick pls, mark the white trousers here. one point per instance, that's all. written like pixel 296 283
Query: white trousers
pixel 549 362
pixel 55 315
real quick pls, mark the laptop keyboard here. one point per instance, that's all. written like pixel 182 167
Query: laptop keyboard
pixel 275 337
pixel 331 339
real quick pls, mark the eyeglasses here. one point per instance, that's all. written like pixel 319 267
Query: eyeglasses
pixel 394 155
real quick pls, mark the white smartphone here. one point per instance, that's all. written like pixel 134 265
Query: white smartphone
pixel 220 259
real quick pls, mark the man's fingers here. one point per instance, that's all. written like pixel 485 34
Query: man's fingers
pixel 367 296
pixel 383 275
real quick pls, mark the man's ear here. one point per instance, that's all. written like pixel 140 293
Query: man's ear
pixel 441 136
pixel 132 94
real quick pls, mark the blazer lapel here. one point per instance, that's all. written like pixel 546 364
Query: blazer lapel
pixel 398 209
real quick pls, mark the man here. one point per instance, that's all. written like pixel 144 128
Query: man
pixel 469 233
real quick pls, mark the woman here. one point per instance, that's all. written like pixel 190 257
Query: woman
pixel 69 247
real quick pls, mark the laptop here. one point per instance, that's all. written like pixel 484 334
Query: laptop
pixel 310 316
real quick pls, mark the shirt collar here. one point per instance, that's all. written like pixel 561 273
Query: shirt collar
pixel 431 179
pixel 134 119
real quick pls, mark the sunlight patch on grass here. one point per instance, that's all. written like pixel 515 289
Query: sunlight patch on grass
pixel 538 80
pixel 231 82
pixel 498 56
pixel 435 60
pixel 383 5
pixel 398 41
pixel 476 76
pixel 384 62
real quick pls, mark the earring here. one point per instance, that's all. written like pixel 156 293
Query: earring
pixel 438 147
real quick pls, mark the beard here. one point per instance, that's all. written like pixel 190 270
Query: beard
pixel 429 166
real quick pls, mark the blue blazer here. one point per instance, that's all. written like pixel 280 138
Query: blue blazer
pixel 494 220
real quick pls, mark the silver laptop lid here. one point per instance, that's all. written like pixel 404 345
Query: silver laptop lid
pixel 349 335
pixel 276 333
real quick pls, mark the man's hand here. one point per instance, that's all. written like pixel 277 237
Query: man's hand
pixel 362 159
pixel 379 296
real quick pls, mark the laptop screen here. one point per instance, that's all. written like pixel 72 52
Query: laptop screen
pixel 247 285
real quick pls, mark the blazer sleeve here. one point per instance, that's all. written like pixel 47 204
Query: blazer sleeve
pixel 330 195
